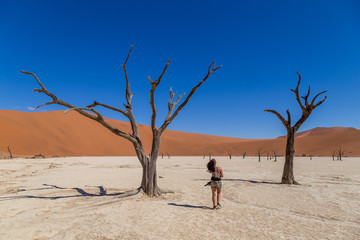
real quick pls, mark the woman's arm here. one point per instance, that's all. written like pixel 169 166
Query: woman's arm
pixel 221 172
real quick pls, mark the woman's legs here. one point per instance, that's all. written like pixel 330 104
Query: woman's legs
pixel 213 190
pixel 218 195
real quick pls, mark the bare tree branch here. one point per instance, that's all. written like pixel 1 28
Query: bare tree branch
pixel 98 117
pixel 154 85
pixel 296 91
pixel 128 94
pixel 108 107
pixel 289 117
pixel 319 103
pixel 49 103
pixel 211 69
pixel 286 124
pixel 172 105
pixel 306 98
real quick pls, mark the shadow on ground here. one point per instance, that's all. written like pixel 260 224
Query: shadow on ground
pixel 189 206
pixel 242 180
pixel 81 193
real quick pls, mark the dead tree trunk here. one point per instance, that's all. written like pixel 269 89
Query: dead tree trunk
pixel 259 152
pixel 275 152
pixel 9 150
pixel 168 155
pixel 209 156
pixel 333 154
pixel 288 176
pixel 229 154
pixel 148 163
pixel 340 153
pixel 244 155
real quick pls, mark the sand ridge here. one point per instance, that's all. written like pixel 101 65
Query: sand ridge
pixel 55 133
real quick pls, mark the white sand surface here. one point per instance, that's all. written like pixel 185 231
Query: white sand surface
pixel 73 198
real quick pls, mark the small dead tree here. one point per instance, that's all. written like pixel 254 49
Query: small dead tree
pixel 307 108
pixel 333 154
pixel 310 156
pixel 275 154
pixel 267 156
pixel 9 150
pixel 244 155
pixel 230 155
pixel 162 155
pixel 148 163
pixel 259 152
pixel 340 153
pixel 168 155
pixel 209 155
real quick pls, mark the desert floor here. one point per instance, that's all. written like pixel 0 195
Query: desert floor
pixel 73 198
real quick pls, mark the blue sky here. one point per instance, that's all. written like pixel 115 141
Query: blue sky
pixel 76 49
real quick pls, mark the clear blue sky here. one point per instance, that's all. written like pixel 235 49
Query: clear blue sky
pixel 76 48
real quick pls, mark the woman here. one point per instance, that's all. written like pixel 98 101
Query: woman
pixel 216 175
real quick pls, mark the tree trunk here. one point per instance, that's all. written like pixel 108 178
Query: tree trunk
pixel 149 177
pixel 9 150
pixel 288 176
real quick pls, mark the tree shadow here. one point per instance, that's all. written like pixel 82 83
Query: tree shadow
pixel 189 206
pixel 242 180
pixel 82 193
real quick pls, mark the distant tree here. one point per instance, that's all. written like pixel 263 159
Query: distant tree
pixel 244 155
pixel 148 163
pixel 310 156
pixel 230 155
pixel 168 155
pixel 340 153
pixel 259 152
pixel 267 155
pixel 162 155
pixel 333 154
pixel 307 108
pixel 275 154
pixel 9 150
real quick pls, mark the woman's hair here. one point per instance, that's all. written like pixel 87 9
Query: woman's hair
pixel 211 165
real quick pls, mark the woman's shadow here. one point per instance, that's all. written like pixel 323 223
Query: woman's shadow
pixel 189 206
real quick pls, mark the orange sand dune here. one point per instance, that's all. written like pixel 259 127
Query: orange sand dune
pixel 56 133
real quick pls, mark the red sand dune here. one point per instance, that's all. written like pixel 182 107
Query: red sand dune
pixel 56 133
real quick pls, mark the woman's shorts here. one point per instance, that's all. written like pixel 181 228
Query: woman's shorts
pixel 216 184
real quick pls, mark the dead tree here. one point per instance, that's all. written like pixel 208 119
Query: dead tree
pixel 333 154
pixel 259 152
pixel 230 155
pixel 162 155
pixel 148 163
pixel 204 155
pixel 307 108
pixel 310 155
pixel 244 155
pixel 340 152
pixel 168 155
pixel 276 153
pixel 267 155
pixel 9 150
pixel 209 155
